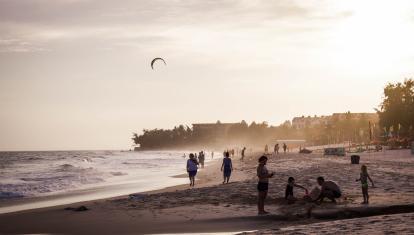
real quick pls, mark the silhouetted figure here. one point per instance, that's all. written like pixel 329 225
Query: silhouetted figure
pixel 263 184
pixel 364 177
pixel 201 158
pixel 242 153
pixel 266 149
pixel 289 190
pixel 329 189
pixel 226 168
pixel 276 149
pixel 192 168
pixel 212 154
pixel 284 147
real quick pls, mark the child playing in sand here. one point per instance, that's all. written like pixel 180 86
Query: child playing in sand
pixel 192 168
pixel 364 177
pixel 289 190
pixel 263 184
pixel 226 168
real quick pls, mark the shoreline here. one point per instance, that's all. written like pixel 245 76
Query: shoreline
pixel 215 207
pixel 106 192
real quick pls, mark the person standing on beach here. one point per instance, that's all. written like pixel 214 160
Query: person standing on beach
pixel 263 184
pixel 226 168
pixel 212 154
pixel 284 147
pixel 364 177
pixel 192 168
pixel 266 149
pixel 276 150
pixel 242 153
pixel 201 158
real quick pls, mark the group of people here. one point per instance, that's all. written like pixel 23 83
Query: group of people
pixel 276 148
pixel 192 166
pixel 329 189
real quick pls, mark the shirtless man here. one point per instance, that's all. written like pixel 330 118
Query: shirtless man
pixel 329 189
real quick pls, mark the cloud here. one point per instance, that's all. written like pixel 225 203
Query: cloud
pixel 48 23
pixel 19 46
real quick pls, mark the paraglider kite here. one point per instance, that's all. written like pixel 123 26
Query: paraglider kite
pixel 155 59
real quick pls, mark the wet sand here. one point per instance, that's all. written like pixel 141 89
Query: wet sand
pixel 213 207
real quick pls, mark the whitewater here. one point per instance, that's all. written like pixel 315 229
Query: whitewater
pixel 37 179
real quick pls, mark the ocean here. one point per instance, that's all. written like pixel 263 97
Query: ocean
pixel 38 179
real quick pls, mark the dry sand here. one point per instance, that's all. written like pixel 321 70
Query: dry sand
pixel 213 207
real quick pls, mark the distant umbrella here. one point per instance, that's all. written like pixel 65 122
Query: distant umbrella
pixel 155 59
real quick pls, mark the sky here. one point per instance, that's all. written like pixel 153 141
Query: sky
pixel 75 74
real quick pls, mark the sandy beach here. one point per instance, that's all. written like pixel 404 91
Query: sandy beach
pixel 213 207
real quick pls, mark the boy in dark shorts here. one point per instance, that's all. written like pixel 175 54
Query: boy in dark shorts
pixel 263 184
pixel 289 190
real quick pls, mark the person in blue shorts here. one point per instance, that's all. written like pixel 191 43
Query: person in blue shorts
pixel 226 167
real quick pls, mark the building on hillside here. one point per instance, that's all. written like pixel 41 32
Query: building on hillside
pixel 373 117
pixel 306 122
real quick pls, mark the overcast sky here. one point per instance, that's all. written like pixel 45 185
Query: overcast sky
pixel 75 74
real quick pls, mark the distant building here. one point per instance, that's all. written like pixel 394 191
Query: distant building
pixel 373 117
pixel 306 122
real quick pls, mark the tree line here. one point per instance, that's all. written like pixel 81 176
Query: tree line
pixel 396 120
pixel 256 134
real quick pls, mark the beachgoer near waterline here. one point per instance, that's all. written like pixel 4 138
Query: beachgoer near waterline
pixel 192 168
pixel 276 149
pixel 289 190
pixel 329 189
pixel 266 150
pixel 201 158
pixel 364 177
pixel 226 168
pixel 242 153
pixel 284 147
pixel 263 184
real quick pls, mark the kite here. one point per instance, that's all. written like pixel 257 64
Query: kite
pixel 155 59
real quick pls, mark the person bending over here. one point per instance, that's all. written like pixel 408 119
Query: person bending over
pixel 329 189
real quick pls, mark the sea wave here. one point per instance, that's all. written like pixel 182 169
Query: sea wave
pixel 118 173
pixel 9 195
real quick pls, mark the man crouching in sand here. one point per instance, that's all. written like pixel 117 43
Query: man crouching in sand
pixel 329 189
pixel 263 184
